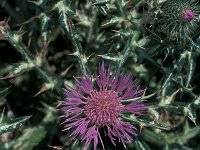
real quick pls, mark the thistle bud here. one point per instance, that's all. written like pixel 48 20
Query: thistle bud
pixel 188 15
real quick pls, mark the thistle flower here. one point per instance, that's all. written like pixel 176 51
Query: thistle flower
pixel 188 15
pixel 179 20
pixel 93 107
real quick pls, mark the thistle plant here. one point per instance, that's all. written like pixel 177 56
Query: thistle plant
pixel 50 50
pixel 179 20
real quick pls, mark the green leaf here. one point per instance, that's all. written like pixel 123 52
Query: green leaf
pixel 3 93
pixel 7 125
pixel 7 145
pixel 18 69
pixel 188 133
pixel 112 21
pixel 161 138
pixel 100 2
pixel 190 112
pixel 63 7
pixel 141 145
pixel 142 122
pixel 111 57
pixel 103 10
pixel 30 138
pixel 182 137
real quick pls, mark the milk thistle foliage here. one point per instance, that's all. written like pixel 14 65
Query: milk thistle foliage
pixel 93 107
pixel 179 19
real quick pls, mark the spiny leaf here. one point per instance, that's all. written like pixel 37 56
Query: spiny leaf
pixel 190 112
pixel 180 138
pixel 112 21
pixel 103 10
pixel 69 28
pixel 18 69
pixel 3 26
pixel 63 7
pixel 30 138
pixel 45 87
pixel 184 136
pixel 100 2
pixel 166 100
pixel 7 125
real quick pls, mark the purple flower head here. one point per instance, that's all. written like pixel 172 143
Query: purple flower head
pixel 188 15
pixel 90 107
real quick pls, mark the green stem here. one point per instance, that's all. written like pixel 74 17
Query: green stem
pixel 69 29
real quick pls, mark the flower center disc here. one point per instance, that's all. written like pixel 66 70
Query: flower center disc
pixel 103 107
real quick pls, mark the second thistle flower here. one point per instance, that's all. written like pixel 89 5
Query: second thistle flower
pixel 179 20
